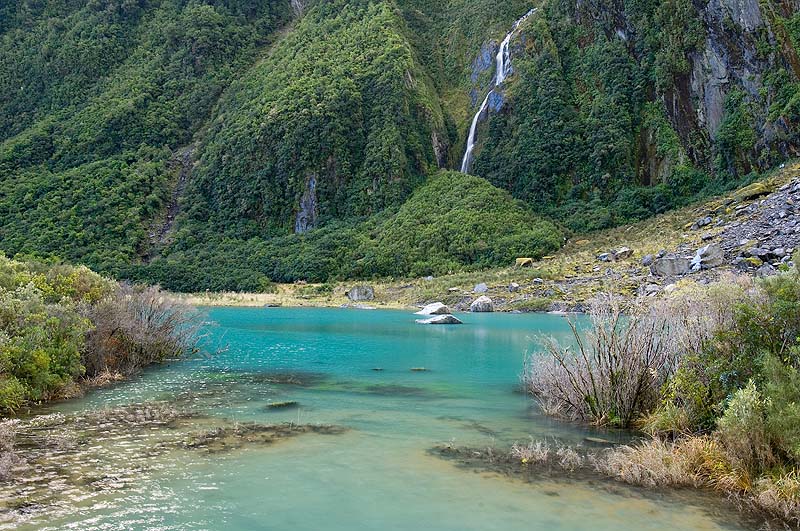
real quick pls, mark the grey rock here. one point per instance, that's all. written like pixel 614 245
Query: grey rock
pixel 708 257
pixel 482 304
pixel 622 253
pixel 361 293
pixel 480 288
pixel 758 252
pixel 648 260
pixel 702 222
pixel 670 266
pixel 538 281
pixel 604 257
pixel 435 308
pixel 652 289
pixel 766 270
pixel 440 320
pixel 513 287
pixel 307 211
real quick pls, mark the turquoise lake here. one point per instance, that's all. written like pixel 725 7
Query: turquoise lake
pixel 378 474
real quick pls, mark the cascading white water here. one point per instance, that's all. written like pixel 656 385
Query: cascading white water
pixel 503 61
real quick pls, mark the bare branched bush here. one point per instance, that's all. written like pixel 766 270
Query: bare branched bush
pixel 568 458
pixel 8 458
pixel 615 372
pixel 536 452
pixel 135 327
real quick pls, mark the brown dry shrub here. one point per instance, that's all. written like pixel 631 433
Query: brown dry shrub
pixel 137 326
pixel 615 372
pixel 8 458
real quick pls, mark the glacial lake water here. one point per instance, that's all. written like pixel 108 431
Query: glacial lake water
pixel 378 474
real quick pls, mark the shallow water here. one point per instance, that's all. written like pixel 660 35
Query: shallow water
pixel 379 473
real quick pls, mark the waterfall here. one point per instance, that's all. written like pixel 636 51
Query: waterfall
pixel 503 61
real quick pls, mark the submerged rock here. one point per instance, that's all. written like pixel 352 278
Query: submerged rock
pixel 288 404
pixel 435 308
pixel 229 438
pixel 482 304
pixel 440 320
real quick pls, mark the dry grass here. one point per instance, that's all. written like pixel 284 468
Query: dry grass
pixel 536 452
pixel 702 461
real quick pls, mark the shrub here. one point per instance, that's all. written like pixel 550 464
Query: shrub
pixel 616 370
pixel 783 407
pixel 135 327
pixel 742 430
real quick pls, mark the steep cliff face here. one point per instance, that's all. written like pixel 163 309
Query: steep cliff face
pixel 611 95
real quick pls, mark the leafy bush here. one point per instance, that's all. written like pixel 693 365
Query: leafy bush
pixel 742 429
pixel 57 321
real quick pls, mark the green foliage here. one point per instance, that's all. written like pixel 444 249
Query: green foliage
pixel 340 100
pixel 57 320
pixel 742 429
pixel 95 97
pixel 735 137
pixel 42 331
pixel 454 222
pixel 782 390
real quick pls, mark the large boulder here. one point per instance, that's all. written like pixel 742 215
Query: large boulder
pixel 670 266
pixel 708 257
pixel 361 293
pixel 482 304
pixel 622 253
pixel 440 320
pixel 435 308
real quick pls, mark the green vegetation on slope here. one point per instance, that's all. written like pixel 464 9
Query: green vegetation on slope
pixel 94 99
pixel 262 121
pixel 339 102
pixel 600 125
pixel 454 222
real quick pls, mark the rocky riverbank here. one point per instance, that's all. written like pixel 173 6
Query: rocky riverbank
pixel 753 230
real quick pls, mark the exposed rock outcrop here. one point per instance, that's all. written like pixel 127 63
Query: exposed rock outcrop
pixel 361 293
pixel 670 266
pixel 481 305
pixel 440 320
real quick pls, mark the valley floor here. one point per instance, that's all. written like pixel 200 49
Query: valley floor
pixel 747 225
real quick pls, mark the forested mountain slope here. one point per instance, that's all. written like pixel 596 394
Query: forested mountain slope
pixel 221 144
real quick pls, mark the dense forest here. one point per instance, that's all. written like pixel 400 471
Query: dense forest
pixel 221 144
